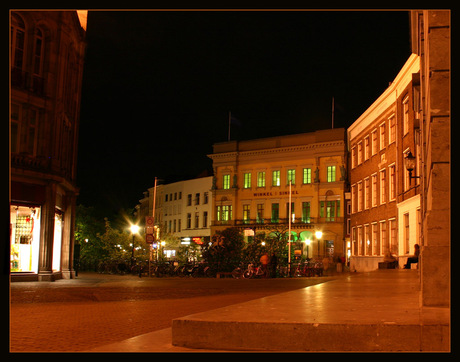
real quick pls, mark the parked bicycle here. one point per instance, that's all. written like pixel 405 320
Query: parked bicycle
pixel 201 269
pixel 255 272
pixel 310 268
pixel 237 273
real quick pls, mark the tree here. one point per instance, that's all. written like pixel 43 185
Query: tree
pixel 226 251
pixel 87 228
pixel 99 242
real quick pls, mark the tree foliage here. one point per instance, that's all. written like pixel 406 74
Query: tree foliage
pixel 100 242
pixel 225 252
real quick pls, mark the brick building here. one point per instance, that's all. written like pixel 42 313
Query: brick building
pixel 385 218
pixel 46 65
pixel 430 32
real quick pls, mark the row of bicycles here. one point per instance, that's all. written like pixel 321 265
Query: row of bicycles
pixel 141 268
pixel 310 268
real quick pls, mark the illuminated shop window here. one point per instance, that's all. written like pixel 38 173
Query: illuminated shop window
pixel 25 238
pixel 57 242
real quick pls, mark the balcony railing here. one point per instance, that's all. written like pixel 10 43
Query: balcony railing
pixel 296 223
pixel 26 81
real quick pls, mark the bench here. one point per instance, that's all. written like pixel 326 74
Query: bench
pixel 224 275
pixel 388 265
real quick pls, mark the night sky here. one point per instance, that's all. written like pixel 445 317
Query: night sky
pixel 158 86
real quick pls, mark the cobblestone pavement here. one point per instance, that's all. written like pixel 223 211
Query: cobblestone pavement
pixel 93 309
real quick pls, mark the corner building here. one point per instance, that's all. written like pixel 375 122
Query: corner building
pixel 46 68
pixel 251 187
pixel 385 212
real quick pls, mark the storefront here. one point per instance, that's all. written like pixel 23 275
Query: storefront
pixel 25 230
pixel 24 238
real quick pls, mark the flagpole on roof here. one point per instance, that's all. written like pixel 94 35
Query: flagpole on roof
pixel 332 112
pixel 229 122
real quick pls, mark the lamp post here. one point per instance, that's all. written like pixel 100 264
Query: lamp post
pixel 289 220
pixel 134 231
pixel 308 241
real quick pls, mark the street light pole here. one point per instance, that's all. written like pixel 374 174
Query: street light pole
pixel 134 230
pixel 289 239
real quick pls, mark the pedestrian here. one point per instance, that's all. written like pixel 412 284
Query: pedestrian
pixel 264 263
pixel 413 259
pixel 273 265
pixel 325 264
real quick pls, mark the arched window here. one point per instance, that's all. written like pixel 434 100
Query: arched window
pixel 38 53
pixel 18 31
pixel 38 60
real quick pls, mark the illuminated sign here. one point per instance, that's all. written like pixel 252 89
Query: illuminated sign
pixel 275 193
pixel 197 240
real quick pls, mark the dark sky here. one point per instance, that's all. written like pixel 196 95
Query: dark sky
pixel 158 86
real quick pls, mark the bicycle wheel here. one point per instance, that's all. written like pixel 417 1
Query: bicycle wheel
pixel 236 273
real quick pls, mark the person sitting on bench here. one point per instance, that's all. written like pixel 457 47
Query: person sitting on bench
pixel 413 259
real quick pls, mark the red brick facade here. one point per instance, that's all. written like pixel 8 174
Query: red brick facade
pixel 379 141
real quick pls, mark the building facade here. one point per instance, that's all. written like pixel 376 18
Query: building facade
pixel 187 209
pixel 183 212
pixel 254 179
pixel 430 34
pixel 385 207
pixel 46 65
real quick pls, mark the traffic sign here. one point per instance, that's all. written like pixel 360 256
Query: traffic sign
pixel 149 239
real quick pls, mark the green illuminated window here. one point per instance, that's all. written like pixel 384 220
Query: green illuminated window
pixel 247 180
pixel 226 182
pixel 330 173
pixel 276 178
pixel 306 212
pixel 261 179
pixel 224 213
pixel 291 176
pixel 246 213
pixel 306 176
pixel 260 213
pixel 330 210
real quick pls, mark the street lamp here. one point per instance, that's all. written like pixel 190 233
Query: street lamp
pixel 134 231
pixel 409 162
